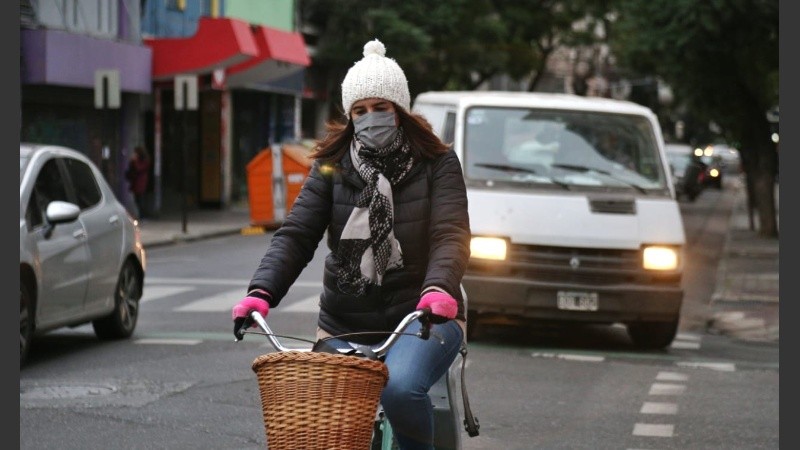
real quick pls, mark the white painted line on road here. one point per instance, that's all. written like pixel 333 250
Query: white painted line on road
pixel 688 337
pixel 569 357
pixel 308 304
pixel 667 389
pixel 653 430
pixel 243 283
pixel 685 345
pixel 216 303
pixel 722 367
pixel 197 281
pixel 730 316
pixel 671 376
pixel 659 408
pixel 168 341
pixel 156 292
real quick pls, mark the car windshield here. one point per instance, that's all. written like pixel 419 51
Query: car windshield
pixel 563 149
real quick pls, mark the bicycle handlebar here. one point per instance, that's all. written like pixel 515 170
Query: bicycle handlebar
pixel 424 333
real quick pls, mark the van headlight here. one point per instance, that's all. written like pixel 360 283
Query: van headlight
pixel 659 257
pixel 488 248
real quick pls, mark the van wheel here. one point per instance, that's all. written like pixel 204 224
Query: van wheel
pixel 652 335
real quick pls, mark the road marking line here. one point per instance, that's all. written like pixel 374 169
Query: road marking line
pixel 653 430
pixel 688 337
pixel 569 357
pixel 156 292
pixel 722 367
pixel 243 283
pixel 167 341
pixel 220 302
pixel 308 304
pixel 659 408
pixel 667 389
pixel 686 345
pixel 671 376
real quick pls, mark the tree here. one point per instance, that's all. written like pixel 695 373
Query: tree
pixel 440 45
pixel 721 58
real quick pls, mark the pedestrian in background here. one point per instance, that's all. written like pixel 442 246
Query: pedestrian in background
pixel 392 198
pixel 138 176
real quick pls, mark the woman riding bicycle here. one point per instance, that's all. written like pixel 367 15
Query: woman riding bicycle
pixel 391 196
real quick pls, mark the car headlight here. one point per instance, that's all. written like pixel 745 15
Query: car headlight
pixel 488 248
pixel 714 173
pixel 657 257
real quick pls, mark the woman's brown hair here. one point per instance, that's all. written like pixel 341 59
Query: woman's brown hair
pixel 417 129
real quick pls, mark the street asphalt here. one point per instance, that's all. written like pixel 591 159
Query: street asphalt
pixel 744 304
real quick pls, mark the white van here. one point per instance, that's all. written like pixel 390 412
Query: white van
pixel 572 210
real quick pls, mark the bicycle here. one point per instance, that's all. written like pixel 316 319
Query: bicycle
pixel 377 431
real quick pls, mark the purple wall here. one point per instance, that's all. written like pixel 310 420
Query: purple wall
pixel 59 58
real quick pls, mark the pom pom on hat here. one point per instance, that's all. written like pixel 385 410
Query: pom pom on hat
pixel 375 76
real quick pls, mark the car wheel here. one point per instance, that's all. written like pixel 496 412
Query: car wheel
pixel 122 321
pixel 25 322
pixel 652 335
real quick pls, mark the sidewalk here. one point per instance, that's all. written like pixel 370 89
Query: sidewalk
pixel 168 228
pixel 744 304
pixel 745 301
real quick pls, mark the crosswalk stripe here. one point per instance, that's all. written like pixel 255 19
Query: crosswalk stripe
pixel 653 430
pixel 218 302
pixel 667 389
pixel 685 345
pixel 722 367
pixel 308 304
pixel 671 376
pixel 167 341
pixel 156 292
pixel 242 283
pixel 659 408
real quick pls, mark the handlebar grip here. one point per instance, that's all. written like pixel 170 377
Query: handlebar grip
pixel 425 321
pixel 239 325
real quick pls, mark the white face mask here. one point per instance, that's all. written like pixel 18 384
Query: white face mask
pixel 376 129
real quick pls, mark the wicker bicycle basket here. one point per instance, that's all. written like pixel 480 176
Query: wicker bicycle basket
pixel 315 401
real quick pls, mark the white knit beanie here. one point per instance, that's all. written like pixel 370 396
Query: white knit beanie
pixel 375 76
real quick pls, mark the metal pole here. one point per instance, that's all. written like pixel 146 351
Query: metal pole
pixel 185 158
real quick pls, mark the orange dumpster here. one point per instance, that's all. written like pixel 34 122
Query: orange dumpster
pixel 272 190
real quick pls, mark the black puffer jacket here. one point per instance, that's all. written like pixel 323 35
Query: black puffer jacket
pixel 430 222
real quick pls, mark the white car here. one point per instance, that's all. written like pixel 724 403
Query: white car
pixel 81 255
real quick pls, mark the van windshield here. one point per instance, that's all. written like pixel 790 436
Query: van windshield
pixel 574 149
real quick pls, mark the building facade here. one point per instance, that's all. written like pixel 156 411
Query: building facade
pixel 85 79
pixel 100 76
pixel 248 64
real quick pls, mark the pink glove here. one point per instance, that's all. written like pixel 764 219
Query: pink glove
pixel 440 304
pixel 250 303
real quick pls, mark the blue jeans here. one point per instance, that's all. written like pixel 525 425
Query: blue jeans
pixel 414 366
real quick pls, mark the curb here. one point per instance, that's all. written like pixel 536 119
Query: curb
pixel 181 238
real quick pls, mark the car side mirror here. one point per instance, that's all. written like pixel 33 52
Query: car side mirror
pixel 59 212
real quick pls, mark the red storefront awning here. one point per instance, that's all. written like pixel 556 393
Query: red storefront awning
pixel 218 43
pixel 281 53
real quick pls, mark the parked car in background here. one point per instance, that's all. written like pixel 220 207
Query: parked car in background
pixel 81 255
pixel 688 171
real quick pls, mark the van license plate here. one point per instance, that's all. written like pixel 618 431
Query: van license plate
pixel 578 301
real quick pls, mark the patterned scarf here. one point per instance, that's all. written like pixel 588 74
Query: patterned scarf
pixel 367 247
